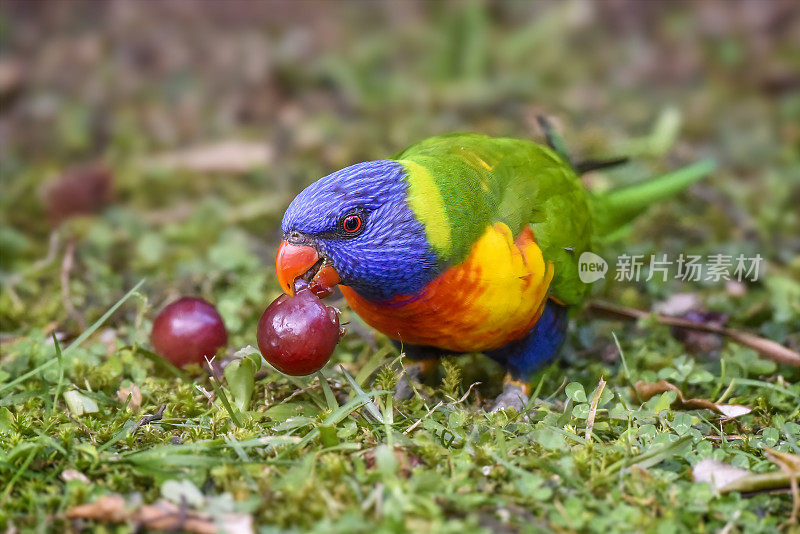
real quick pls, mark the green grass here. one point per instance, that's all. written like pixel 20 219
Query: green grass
pixel 341 455
pixel 318 462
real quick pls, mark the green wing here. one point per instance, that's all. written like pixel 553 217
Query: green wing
pixel 460 183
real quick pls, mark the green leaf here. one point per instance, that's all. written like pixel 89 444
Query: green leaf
pixel 370 406
pixel 549 439
pixel 575 392
pixel 328 435
pixel 6 421
pixel 770 436
pixel 681 423
pixel 330 398
pixel 580 411
pixel 79 404
pixel 240 375
pixel 663 401
pixel 225 403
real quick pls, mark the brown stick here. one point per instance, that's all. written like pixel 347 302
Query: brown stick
pixel 147 419
pixel 790 465
pixel 765 347
pixel 593 409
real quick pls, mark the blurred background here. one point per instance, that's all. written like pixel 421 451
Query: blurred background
pixel 188 126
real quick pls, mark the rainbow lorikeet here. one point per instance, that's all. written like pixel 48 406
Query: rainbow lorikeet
pixel 460 243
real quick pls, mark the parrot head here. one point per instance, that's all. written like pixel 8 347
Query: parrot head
pixel 355 227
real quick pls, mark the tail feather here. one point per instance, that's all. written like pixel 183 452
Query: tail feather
pixel 612 211
pixel 615 209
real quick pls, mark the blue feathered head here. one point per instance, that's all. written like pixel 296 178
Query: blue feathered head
pixel 358 221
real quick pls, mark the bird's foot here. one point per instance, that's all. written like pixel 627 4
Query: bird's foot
pixel 404 389
pixel 514 395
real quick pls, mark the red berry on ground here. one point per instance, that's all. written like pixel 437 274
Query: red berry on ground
pixel 187 331
pixel 297 334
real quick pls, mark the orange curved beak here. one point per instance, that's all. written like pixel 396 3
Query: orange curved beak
pixel 293 261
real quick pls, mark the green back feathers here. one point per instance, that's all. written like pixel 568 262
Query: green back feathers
pixel 461 183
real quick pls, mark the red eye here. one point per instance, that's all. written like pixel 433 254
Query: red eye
pixel 351 224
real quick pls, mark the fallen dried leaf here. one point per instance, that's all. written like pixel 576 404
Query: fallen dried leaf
pixel 107 508
pixel 718 474
pixel 646 390
pixel 162 515
pixel 232 156
pixel 725 478
pixel 678 304
pixel 258 207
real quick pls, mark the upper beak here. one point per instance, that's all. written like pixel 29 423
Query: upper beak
pixel 295 261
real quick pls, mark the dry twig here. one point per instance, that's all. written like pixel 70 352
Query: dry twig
pixel 593 409
pixel 765 347
pixel 790 465
pixel 647 390
pixel 147 419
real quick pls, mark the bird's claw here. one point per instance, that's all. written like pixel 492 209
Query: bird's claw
pixel 512 396
pixel 404 390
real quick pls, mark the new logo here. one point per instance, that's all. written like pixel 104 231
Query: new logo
pixel 591 267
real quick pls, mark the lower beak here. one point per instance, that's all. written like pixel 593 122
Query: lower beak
pixel 295 261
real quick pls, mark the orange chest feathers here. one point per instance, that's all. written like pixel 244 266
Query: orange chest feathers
pixel 492 298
